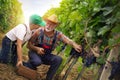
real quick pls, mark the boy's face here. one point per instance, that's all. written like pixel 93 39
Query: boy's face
pixel 34 26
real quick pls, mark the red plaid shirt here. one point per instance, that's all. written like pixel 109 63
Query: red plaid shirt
pixel 36 38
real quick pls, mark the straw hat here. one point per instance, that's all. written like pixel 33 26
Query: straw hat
pixel 53 18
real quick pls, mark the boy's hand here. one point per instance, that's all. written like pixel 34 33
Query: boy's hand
pixel 19 63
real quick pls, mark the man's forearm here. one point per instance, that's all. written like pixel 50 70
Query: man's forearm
pixel 71 43
pixel 32 47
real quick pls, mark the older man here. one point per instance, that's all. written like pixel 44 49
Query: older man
pixel 44 41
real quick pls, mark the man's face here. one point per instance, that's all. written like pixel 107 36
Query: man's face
pixel 50 26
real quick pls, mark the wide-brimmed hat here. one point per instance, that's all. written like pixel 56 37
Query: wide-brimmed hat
pixel 36 19
pixel 53 18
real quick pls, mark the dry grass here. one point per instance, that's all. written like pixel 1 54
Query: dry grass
pixel 7 72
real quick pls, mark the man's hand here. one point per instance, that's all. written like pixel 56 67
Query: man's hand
pixel 40 51
pixel 78 48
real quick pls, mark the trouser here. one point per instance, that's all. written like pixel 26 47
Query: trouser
pixel 8 52
pixel 49 59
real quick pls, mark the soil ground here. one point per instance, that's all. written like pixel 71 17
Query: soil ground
pixel 7 72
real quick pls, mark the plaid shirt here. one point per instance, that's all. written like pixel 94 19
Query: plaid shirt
pixel 36 38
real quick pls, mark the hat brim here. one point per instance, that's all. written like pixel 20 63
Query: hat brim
pixel 51 21
pixel 43 23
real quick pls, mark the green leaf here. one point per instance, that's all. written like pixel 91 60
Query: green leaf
pixel 91 33
pixel 103 30
pixel 107 10
pixel 75 15
pixel 111 42
pixel 100 60
pixel 72 23
pixel 111 20
pixel 116 29
pixel 96 9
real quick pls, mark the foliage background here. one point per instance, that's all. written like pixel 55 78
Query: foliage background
pixel 93 20
pixel 10 14
pixel 90 21
pixel 80 20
